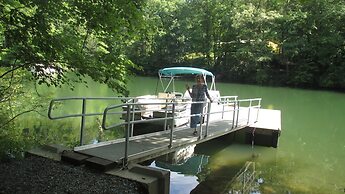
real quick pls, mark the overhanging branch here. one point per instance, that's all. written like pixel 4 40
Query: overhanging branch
pixel 11 70
pixel 9 121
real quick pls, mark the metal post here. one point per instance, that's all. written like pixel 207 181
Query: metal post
pixel 250 107
pixel 173 85
pixel 201 119
pixel 166 113
pixel 238 111
pixel 125 160
pixel 132 119
pixel 208 118
pixel 82 125
pixel 233 115
pixel 257 113
pixel 223 107
pixel 172 125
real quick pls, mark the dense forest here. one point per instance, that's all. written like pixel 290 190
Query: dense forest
pixel 290 42
pixel 298 43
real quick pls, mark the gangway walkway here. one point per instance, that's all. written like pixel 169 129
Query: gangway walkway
pixel 230 117
pixel 144 147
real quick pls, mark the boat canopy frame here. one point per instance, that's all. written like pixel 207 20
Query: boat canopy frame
pixel 173 72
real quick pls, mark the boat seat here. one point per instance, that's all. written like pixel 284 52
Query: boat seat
pixel 166 95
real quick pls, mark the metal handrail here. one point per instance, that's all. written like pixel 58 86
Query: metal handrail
pixel 170 105
pixel 107 109
pixel 83 113
pixel 173 103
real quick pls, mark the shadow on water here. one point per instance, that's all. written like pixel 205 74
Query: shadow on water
pixel 224 179
pixel 215 145
pixel 216 181
pixel 191 166
pixel 199 172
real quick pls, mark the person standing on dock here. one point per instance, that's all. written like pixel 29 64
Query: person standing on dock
pixel 199 90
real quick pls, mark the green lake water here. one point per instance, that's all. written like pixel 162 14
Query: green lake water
pixel 310 157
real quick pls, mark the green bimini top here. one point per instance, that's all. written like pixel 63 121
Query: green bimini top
pixel 172 71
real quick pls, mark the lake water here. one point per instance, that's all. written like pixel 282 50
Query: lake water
pixel 310 157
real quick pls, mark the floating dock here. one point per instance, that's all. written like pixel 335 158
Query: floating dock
pixel 144 147
pixel 226 118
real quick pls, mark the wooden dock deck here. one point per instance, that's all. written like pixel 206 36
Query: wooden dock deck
pixel 148 146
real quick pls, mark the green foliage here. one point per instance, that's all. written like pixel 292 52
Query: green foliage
pixel 54 37
pixel 294 43
pixel 234 38
pixel 44 41
pixel 17 98
pixel 298 43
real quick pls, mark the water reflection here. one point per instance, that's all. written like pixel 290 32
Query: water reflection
pixel 191 166
pixel 219 167
pixel 184 175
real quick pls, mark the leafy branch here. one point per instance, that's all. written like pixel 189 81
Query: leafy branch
pixel 19 114
pixel 12 70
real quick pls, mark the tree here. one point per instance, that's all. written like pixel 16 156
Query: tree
pixel 54 37
pixel 43 41
pixel 313 43
pixel 281 42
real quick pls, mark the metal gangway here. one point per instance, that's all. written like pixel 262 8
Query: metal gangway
pixel 226 115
